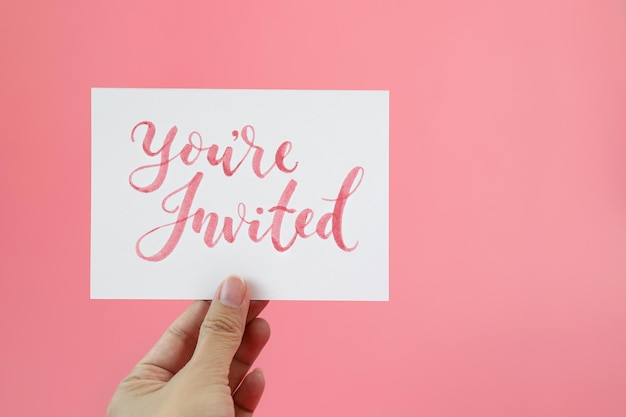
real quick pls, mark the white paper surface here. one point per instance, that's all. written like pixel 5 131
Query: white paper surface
pixel 149 224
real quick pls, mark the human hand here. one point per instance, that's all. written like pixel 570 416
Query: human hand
pixel 199 367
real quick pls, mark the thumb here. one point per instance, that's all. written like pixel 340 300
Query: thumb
pixel 222 330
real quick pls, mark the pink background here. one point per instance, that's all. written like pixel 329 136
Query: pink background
pixel 508 201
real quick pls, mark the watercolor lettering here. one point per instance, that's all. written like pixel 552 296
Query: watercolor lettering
pixel 287 223
pixel 193 149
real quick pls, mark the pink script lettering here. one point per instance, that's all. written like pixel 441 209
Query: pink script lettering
pixel 286 226
pixel 329 224
pixel 193 149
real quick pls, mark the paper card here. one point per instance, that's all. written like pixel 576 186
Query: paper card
pixel 286 188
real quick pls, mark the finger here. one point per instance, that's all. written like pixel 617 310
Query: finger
pixel 249 394
pixel 175 347
pixel 256 307
pixel 221 331
pixel 254 339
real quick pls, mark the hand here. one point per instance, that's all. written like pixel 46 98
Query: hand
pixel 199 367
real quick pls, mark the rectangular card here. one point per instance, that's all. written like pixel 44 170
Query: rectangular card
pixel 288 189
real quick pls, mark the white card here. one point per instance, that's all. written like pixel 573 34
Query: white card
pixel 288 189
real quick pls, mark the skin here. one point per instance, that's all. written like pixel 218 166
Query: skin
pixel 200 366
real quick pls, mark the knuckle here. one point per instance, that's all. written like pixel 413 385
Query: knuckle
pixel 178 332
pixel 222 324
pixel 186 337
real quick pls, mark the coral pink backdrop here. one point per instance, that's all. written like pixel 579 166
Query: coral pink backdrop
pixel 508 201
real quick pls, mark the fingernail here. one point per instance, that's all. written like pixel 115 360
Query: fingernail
pixel 232 292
